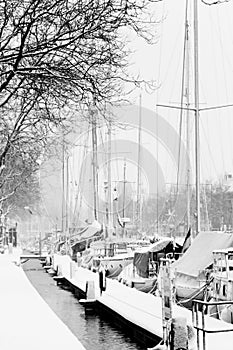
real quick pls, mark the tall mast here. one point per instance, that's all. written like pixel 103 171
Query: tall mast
pixel 109 197
pixel 67 200
pixel 197 117
pixel 63 186
pixel 94 161
pixel 124 193
pixel 138 206
pixel 187 48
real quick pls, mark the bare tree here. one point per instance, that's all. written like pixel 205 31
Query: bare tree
pixel 65 50
pixel 56 57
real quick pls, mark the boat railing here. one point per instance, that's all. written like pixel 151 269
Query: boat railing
pixel 199 311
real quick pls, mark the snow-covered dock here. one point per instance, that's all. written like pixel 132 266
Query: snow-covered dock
pixel 26 321
pixel 141 309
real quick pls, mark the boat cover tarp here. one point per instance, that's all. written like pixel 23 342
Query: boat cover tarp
pixel 200 254
pixel 90 232
pixel 157 246
pixel 93 230
pixel 189 269
pixel 141 259
pixel 141 262
pixel 160 245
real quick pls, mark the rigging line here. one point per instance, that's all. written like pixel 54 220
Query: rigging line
pixel 214 25
pixel 104 151
pixel 216 85
pixel 206 208
pixel 229 31
pixel 105 155
pixel 83 173
pixel 193 109
pixel 223 56
pixel 51 220
pixel 182 93
pixel 210 153
pixel 78 199
pixel 174 49
pixel 224 75
pixel 156 117
pixel 71 185
pixel 63 183
pixel 117 164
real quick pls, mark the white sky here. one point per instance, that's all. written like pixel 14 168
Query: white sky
pixel 163 62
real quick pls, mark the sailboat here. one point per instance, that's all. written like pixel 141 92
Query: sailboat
pixel 96 246
pixel 143 271
pixel 110 253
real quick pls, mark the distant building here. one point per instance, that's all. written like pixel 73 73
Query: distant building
pixel 228 182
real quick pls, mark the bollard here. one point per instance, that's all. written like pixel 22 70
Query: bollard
pixel 72 269
pixel 90 290
pixel 179 334
pixel 102 280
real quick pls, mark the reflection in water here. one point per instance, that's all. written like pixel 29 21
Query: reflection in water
pixel 94 332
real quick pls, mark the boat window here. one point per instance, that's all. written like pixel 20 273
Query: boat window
pixel 166 301
pixel 217 288
pixel 224 290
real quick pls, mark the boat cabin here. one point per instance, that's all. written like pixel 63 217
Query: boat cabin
pixel 223 274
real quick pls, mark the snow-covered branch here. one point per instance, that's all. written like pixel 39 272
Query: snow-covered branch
pixel 214 2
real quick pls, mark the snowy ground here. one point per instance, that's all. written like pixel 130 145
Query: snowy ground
pixel 26 321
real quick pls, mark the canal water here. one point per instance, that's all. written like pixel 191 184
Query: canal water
pixel 93 331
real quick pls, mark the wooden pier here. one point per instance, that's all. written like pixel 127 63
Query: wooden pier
pixel 26 321
pixel 140 311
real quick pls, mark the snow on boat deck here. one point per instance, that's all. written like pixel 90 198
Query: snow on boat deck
pixel 26 321
pixel 142 309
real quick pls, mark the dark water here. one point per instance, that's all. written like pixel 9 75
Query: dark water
pixel 93 331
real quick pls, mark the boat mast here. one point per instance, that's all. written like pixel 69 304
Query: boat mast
pixel 187 114
pixel 109 198
pixel 67 202
pixel 138 205
pixel 197 116
pixel 94 163
pixel 124 194
pixel 63 186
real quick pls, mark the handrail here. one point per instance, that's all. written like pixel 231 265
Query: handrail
pixel 207 303
pixel 204 306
